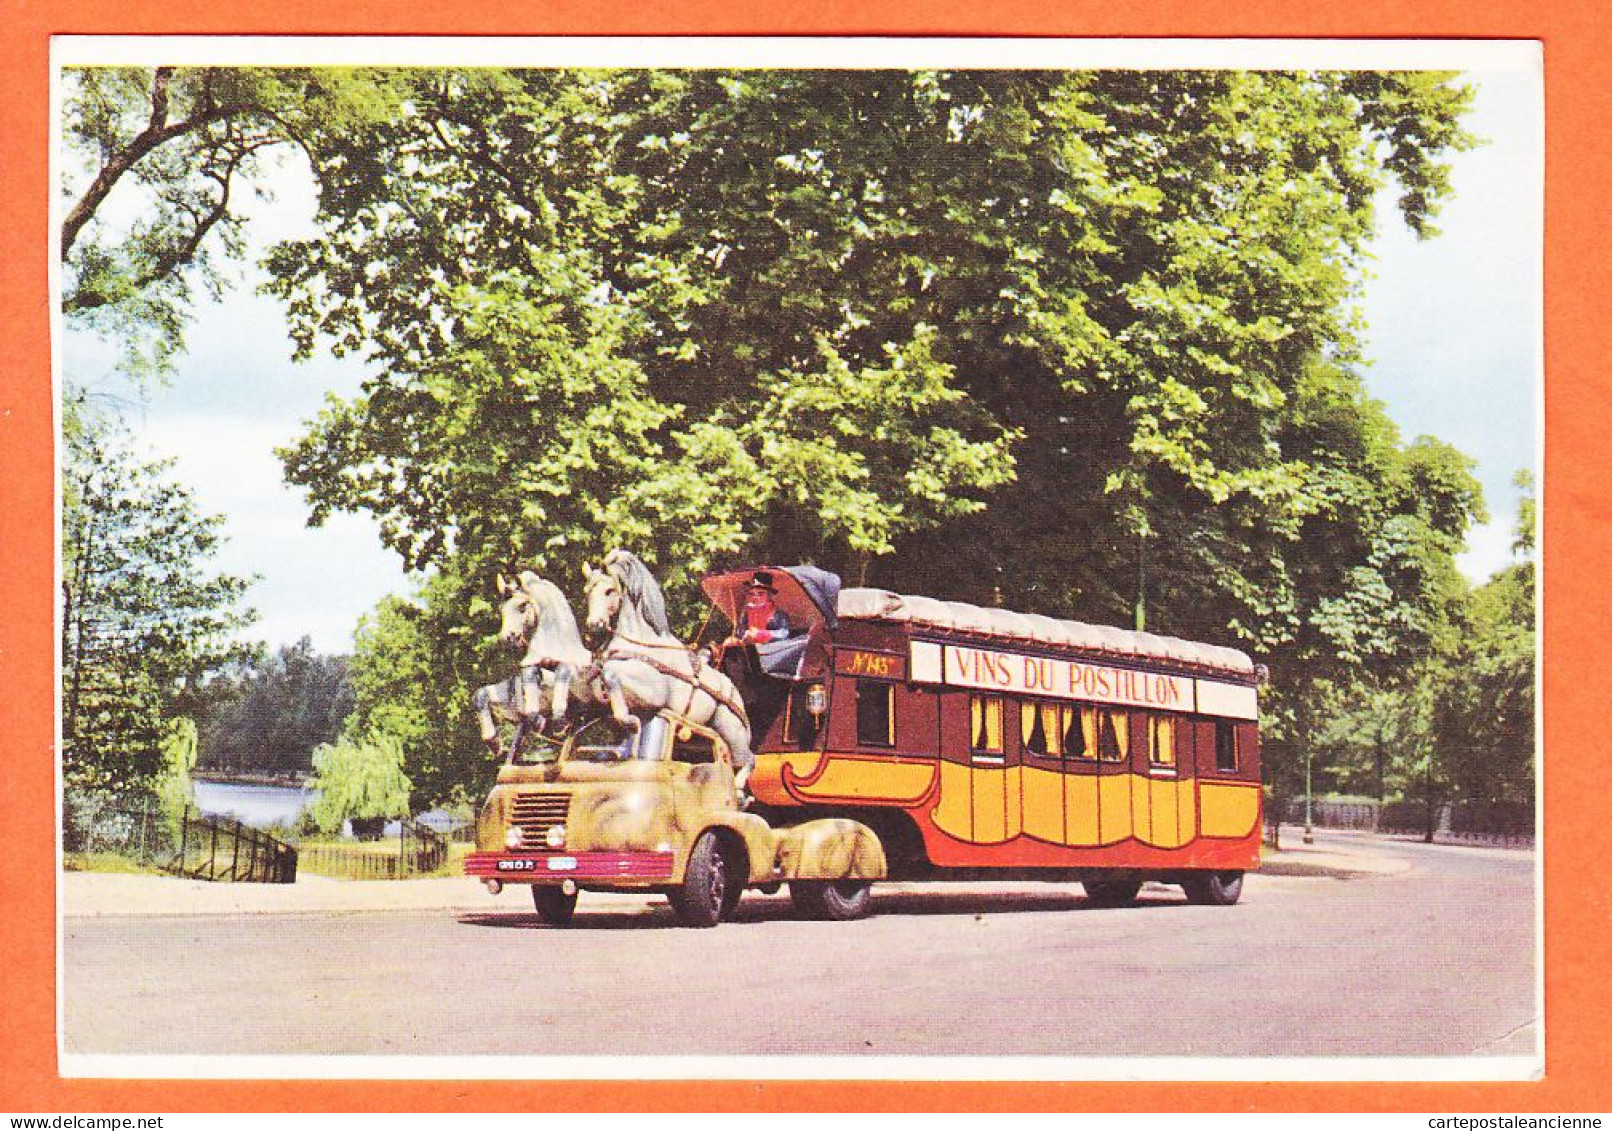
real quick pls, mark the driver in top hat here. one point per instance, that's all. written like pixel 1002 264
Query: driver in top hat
pixel 760 620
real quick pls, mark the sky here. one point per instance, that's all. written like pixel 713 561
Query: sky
pixel 1453 344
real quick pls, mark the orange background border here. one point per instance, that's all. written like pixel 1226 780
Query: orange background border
pixel 1577 841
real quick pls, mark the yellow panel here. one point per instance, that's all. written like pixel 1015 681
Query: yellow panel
pixel 1043 804
pixel 990 816
pixel 766 780
pixel 1114 808
pixel 1014 789
pixel 953 814
pixel 1228 810
pixel 1141 808
pixel 1186 809
pixel 881 780
pixel 1164 830
pixel 1080 809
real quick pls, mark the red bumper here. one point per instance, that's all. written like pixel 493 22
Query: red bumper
pixel 545 867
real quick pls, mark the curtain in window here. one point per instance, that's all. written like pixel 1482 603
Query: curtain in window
pixel 1088 732
pixel 985 717
pixel 1115 736
pixel 1163 735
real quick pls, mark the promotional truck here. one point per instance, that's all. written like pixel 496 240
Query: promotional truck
pixel 610 809
pixel 906 738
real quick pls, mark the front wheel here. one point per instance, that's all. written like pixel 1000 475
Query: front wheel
pixel 704 896
pixel 838 900
pixel 1221 889
pixel 554 907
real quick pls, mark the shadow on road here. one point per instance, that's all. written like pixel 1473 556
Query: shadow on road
pixel 959 904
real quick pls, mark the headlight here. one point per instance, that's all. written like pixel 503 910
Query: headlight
pixel 556 836
pixel 513 837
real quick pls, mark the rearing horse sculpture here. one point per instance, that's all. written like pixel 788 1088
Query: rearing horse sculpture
pixel 646 669
pixel 536 615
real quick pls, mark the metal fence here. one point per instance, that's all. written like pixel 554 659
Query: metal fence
pixel 189 844
pixel 221 848
pixel 417 850
pixel 1478 822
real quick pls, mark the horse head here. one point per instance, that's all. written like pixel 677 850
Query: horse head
pixel 603 594
pixel 520 612
pixel 639 587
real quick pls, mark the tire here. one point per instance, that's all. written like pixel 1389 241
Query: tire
pixel 703 898
pixel 1111 893
pixel 554 907
pixel 839 900
pixel 731 897
pixel 1219 889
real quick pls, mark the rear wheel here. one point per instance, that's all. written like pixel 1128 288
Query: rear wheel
pixel 1111 893
pixel 554 907
pixel 1221 889
pixel 703 898
pixel 839 900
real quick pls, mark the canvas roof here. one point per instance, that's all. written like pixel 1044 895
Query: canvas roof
pixel 1030 628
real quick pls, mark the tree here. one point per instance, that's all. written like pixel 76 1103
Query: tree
pixel 1077 342
pixel 360 781
pixel 174 788
pixel 269 715
pixel 413 668
pixel 158 159
pixel 1485 710
pixel 1457 722
pixel 143 620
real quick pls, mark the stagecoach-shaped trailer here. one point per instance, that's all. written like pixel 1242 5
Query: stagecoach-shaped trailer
pixel 908 738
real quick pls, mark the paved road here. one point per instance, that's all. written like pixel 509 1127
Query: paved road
pixel 1433 960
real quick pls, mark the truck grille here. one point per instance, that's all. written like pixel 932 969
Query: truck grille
pixel 536 813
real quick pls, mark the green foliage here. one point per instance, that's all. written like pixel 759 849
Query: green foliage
pixel 156 163
pixel 143 620
pixel 1067 341
pixel 359 780
pixel 1522 541
pixel 174 789
pixel 1060 341
pixel 1485 708
pixel 268 715
pixel 1459 723
pixel 413 667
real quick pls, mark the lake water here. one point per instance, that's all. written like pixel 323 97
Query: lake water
pixel 255 805
pixel 263 805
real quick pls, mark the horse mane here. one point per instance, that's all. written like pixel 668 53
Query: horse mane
pixel 640 587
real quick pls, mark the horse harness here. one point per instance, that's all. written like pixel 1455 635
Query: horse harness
pixel 693 680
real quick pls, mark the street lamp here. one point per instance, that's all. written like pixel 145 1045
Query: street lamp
pixel 1309 825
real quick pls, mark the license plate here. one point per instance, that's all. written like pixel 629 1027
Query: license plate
pixel 562 863
pixel 517 865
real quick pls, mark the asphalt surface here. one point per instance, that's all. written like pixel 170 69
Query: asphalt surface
pixel 1428 953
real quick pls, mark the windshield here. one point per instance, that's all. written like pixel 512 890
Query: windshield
pixel 538 750
pixel 603 740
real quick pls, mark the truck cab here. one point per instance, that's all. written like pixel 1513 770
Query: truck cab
pixel 655 810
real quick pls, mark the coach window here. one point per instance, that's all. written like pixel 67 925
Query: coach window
pixel 1080 733
pixel 1161 740
pixel 1041 728
pixel 985 723
pixel 1113 736
pixel 875 713
pixel 1225 747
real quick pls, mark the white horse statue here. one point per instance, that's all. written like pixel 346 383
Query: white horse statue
pixel 645 669
pixel 536 616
